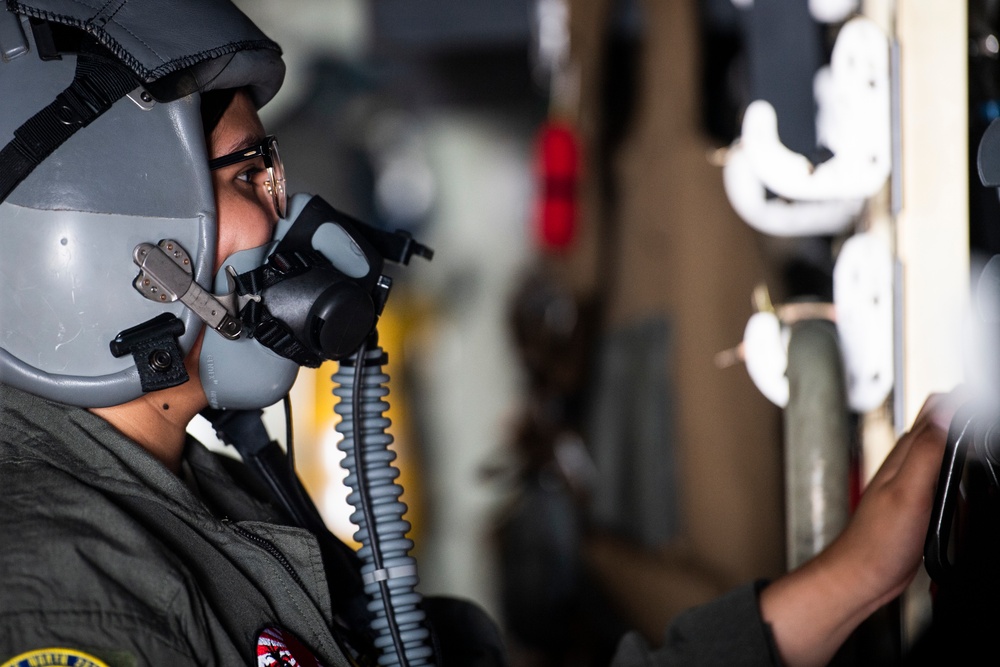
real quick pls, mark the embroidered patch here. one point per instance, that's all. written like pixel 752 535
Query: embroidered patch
pixel 282 649
pixel 54 656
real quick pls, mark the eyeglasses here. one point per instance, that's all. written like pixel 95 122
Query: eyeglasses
pixel 268 151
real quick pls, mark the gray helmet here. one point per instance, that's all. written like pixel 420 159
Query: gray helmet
pixel 102 148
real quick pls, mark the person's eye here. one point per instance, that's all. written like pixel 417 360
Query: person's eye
pixel 249 174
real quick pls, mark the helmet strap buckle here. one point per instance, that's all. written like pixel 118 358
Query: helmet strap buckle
pixel 155 350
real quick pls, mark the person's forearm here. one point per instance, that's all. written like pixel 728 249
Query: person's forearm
pixel 814 609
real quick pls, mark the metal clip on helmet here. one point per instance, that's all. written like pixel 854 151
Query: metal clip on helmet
pixel 102 148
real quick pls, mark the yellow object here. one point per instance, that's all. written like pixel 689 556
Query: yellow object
pixel 319 471
pixel 54 656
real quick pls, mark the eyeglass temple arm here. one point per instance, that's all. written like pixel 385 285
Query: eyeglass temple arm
pixel 227 160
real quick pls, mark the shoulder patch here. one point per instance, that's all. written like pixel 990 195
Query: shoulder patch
pixel 54 656
pixel 280 648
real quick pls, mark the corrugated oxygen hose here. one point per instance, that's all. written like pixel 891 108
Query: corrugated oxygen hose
pixel 389 572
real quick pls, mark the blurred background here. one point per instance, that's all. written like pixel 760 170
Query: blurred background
pixel 582 450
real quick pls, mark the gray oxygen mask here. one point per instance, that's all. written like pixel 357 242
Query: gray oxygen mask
pixel 314 293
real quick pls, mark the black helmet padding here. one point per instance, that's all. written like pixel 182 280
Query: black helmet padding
pixel 214 46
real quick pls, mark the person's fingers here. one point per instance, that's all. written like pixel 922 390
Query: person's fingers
pixel 897 455
pixel 941 407
pixel 918 471
pixel 932 405
pixel 936 414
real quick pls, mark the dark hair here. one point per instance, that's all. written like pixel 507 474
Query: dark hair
pixel 213 104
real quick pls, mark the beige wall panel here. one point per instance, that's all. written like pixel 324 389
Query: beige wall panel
pixel 932 225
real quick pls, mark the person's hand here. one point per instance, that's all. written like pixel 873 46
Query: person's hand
pixel 885 537
pixel 813 609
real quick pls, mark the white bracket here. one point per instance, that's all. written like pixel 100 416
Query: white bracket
pixel 765 352
pixel 863 296
pixel 832 11
pixel 863 307
pixel 853 121
pixel 781 217
pixel 824 11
